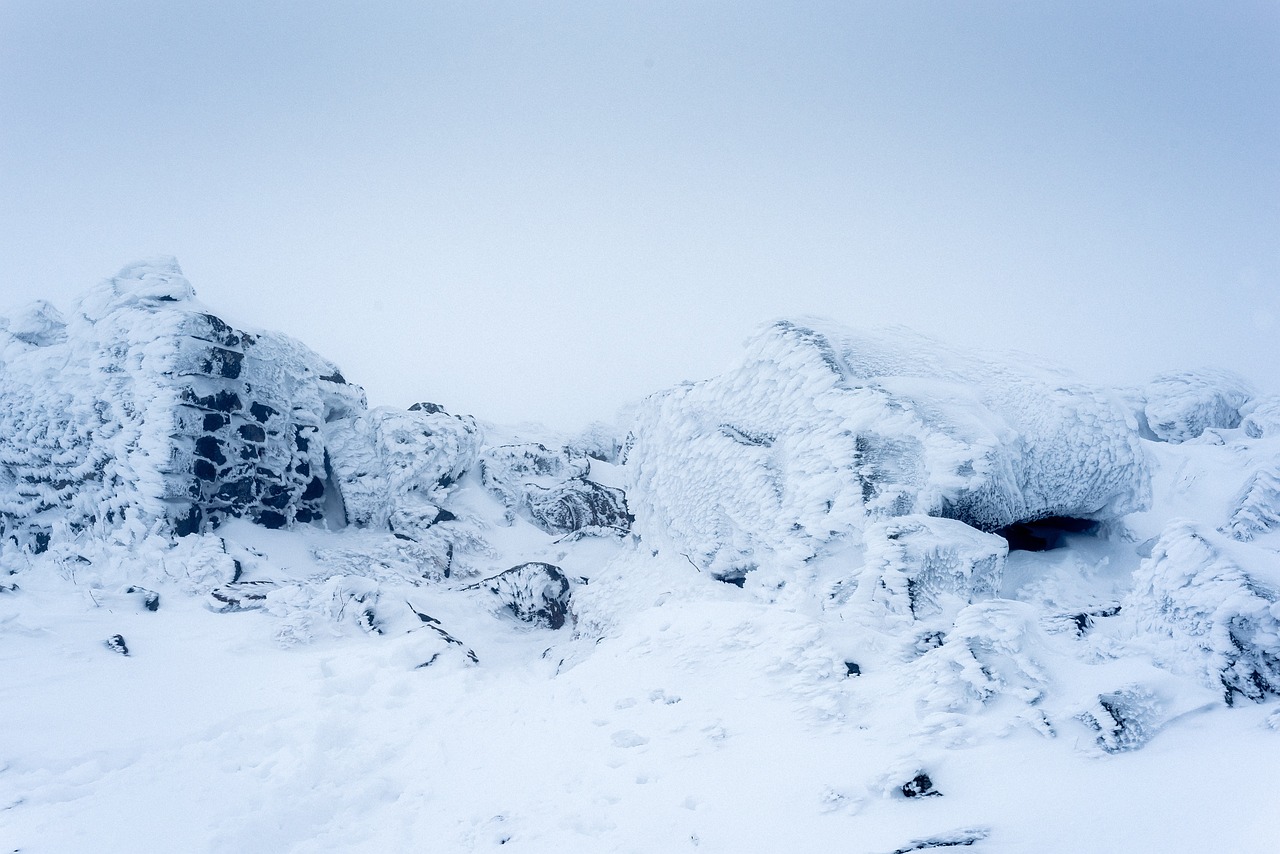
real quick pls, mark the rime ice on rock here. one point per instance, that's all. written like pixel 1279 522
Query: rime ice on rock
pixel 393 468
pixel 926 570
pixel 1207 613
pixel 535 592
pixel 142 408
pixel 1263 419
pixel 820 430
pixel 552 489
pixel 1181 406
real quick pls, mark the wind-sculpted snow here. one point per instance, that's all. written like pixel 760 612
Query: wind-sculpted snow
pixel 1212 608
pixel 939 620
pixel 820 430
pixel 919 572
pixel 1181 406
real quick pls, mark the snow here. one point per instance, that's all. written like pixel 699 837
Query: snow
pixel 428 665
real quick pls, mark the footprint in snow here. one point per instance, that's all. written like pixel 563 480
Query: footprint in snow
pixel 628 738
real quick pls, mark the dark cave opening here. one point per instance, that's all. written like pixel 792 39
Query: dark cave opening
pixel 1042 535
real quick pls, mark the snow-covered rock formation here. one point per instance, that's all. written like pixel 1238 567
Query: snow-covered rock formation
pixel 1181 406
pixel 142 408
pixel 1207 614
pixel 552 489
pixel 411 622
pixel 821 430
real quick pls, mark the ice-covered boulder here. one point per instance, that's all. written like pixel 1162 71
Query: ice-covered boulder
pixel 1263 419
pixel 551 488
pixel 1256 510
pixel 534 592
pixel 821 430
pixel 142 408
pixel 393 468
pixel 1207 614
pixel 1181 406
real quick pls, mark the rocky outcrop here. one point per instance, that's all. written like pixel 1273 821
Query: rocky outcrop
pixel 141 407
pixel 534 592
pixel 551 488
pixel 1208 615
pixel 820 431
pixel 1181 406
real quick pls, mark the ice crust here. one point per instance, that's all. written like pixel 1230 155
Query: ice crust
pixel 820 430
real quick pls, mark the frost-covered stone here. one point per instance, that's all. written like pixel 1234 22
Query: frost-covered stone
pixel 1209 615
pixel 551 488
pixel 147 408
pixel 393 468
pixel 820 430
pixel 1263 419
pixel 40 324
pixel 1181 406
pixel 1256 510
pixel 1125 719
pixel 535 592
pixel 926 569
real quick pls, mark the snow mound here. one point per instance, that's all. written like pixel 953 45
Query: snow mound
pixel 1207 614
pixel 1256 510
pixel 821 430
pixel 1181 406
pixel 1263 419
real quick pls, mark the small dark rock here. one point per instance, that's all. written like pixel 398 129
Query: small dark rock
pixel 852 668
pixel 426 408
pixel 535 592
pixel 920 786
pixel 116 643
pixel 150 599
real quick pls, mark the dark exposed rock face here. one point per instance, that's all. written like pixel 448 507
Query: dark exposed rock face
pixel 535 592
pixel 116 644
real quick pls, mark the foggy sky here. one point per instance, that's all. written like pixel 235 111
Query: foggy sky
pixel 545 211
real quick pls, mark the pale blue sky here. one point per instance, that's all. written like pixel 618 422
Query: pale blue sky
pixel 548 210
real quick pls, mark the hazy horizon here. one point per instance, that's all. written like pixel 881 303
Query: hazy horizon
pixel 546 213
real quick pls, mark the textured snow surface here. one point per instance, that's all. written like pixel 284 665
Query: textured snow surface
pixel 436 661
pixel 1181 406
pixel 1214 617
pixel 821 429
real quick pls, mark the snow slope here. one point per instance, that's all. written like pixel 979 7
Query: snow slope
pixel 452 670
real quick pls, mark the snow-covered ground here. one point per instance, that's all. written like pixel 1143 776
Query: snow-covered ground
pixel 782 654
